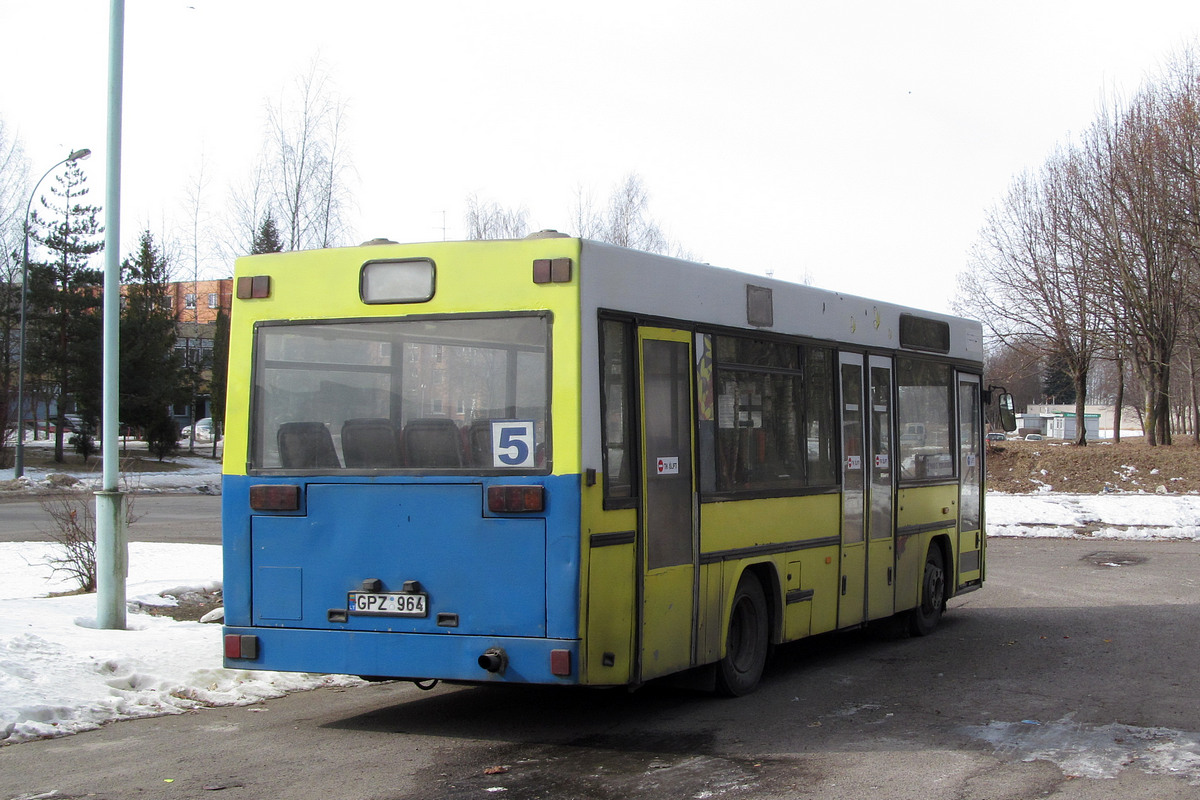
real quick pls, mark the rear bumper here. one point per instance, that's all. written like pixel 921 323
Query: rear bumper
pixel 417 656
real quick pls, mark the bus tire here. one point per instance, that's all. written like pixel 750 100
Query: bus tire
pixel 746 644
pixel 924 618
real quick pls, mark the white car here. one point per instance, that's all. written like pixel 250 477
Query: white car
pixel 204 430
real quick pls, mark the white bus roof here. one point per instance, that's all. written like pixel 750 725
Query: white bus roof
pixel 632 281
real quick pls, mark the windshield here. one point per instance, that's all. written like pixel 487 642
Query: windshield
pixel 456 394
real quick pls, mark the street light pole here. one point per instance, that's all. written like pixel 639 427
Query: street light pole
pixel 19 461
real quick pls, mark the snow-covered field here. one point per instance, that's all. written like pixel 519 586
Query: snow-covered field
pixel 59 674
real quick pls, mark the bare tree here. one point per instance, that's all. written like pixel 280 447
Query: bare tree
pixel 628 221
pixel 1031 276
pixel 307 162
pixel 586 220
pixel 14 183
pixel 625 220
pixel 488 220
pixel 198 223
pixel 249 206
pixel 1117 222
pixel 1017 366
pixel 1135 215
pixel 197 356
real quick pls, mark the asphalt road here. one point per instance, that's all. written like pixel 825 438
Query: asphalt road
pixel 190 518
pixel 1072 674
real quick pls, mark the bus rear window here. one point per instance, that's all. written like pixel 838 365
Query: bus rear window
pixel 451 394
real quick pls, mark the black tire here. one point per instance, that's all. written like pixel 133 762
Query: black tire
pixel 924 618
pixel 746 645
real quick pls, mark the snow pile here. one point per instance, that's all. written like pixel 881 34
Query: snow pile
pixel 59 674
pixel 1096 751
pixel 1103 516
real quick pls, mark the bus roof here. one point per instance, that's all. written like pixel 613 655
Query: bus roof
pixel 618 278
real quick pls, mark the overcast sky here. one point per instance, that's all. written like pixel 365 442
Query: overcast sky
pixel 857 143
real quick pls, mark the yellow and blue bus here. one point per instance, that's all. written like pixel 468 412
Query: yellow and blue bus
pixel 557 461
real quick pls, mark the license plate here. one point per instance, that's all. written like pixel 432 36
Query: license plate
pixel 396 604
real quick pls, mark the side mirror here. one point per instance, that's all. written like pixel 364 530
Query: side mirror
pixel 1008 415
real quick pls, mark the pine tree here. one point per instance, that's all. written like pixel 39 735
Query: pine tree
pixel 152 377
pixel 64 298
pixel 1057 384
pixel 267 240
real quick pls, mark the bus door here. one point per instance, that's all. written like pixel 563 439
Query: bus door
pixel 668 551
pixel 852 596
pixel 881 596
pixel 970 501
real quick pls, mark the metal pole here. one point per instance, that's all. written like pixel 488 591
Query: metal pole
pixel 112 558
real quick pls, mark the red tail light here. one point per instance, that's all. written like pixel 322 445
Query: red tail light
pixel 516 499
pixel 275 497
pixel 239 646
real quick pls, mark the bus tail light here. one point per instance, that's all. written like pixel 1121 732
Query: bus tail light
pixel 275 497
pixel 516 499
pixel 552 270
pixel 241 646
pixel 253 287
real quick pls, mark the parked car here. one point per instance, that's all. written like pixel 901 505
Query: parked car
pixel 1033 437
pixel 204 430
pixel 996 436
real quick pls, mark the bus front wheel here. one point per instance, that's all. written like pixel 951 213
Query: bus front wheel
pixel 925 617
pixel 746 645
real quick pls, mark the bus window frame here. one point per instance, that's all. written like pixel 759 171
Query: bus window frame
pixel 898 421
pixel 631 414
pixel 253 468
pixel 802 345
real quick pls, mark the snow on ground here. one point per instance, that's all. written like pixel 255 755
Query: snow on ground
pixel 1103 516
pixel 197 473
pixel 1097 751
pixel 59 674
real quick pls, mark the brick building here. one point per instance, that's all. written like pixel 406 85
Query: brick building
pixel 196 305
pixel 198 302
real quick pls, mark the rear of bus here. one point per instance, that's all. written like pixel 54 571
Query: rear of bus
pixel 397 500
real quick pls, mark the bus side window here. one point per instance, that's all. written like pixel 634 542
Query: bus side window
pixel 619 447
pixel 306 445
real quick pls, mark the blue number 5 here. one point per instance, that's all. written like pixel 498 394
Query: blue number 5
pixel 517 447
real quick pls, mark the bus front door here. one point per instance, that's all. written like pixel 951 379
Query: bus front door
pixel 881 554
pixel 852 587
pixel 668 544
pixel 868 541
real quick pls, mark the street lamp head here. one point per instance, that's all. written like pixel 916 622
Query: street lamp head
pixel 79 155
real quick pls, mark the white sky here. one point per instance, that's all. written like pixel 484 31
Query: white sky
pixel 858 142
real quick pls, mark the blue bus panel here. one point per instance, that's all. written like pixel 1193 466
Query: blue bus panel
pixel 473 579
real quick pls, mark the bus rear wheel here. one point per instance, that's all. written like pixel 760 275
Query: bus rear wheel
pixel 925 617
pixel 746 645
